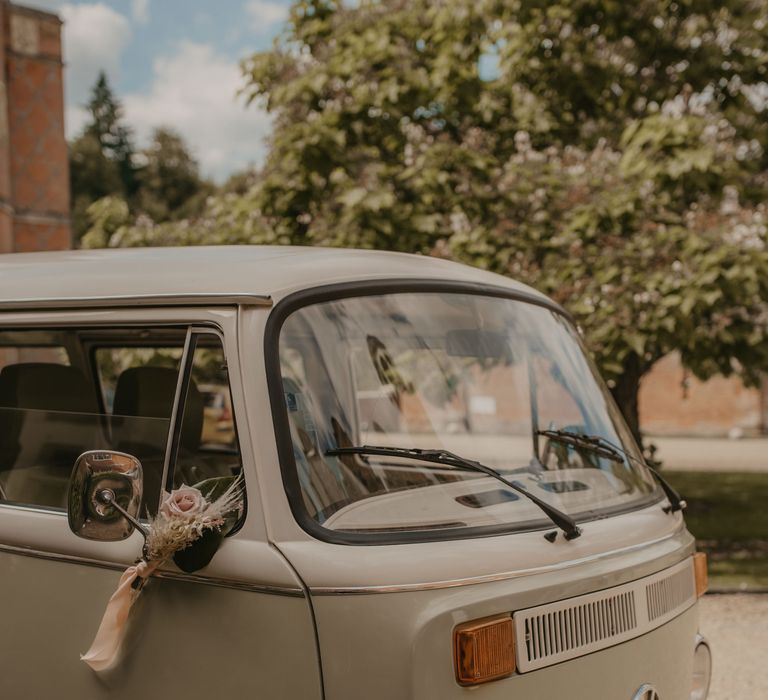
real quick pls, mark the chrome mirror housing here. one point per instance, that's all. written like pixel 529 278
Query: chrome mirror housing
pixel 105 495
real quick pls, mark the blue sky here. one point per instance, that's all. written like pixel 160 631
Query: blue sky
pixel 172 63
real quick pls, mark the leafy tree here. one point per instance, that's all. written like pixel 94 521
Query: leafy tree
pixel 101 158
pixel 613 157
pixel 228 219
pixel 161 183
pixel 107 127
pixel 610 154
pixel 92 176
pixel 106 217
pixel 240 182
pixel 170 183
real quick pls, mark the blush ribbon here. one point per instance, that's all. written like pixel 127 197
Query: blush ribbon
pixel 106 644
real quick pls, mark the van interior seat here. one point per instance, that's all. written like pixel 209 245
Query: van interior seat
pixel 141 418
pixel 49 416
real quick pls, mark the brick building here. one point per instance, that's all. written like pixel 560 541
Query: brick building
pixel 675 403
pixel 34 171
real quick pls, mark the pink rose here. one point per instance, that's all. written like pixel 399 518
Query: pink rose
pixel 185 501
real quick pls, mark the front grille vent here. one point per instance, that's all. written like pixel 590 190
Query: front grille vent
pixel 669 593
pixel 579 625
pixel 556 632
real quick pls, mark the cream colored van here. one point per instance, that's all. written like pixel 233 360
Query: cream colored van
pixel 442 500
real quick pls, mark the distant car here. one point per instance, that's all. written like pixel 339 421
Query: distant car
pixel 440 492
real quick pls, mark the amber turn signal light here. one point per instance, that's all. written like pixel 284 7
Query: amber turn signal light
pixel 484 650
pixel 700 569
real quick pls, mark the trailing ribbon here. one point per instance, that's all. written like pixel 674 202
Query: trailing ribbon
pixel 109 637
pixel 188 526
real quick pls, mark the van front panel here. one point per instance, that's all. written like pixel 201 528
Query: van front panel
pixel 399 644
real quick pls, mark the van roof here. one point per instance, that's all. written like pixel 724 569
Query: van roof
pixel 273 271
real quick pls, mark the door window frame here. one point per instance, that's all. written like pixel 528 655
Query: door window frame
pixel 42 533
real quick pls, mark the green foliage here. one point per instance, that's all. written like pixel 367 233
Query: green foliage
pixel 92 176
pixel 107 216
pixel 159 184
pixel 107 127
pixel 726 514
pixel 591 66
pixel 228 219
pixel 170 186
pixel 101 158
pixel 612 156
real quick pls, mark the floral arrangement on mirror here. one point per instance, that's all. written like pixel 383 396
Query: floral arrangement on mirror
pixel 190 525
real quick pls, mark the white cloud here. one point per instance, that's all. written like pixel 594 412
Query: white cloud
pixel 140 10
pixel 94 38
pixel 75 118
pixel 195 92
pixel 265 14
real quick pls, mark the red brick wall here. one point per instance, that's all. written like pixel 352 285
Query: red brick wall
pixel 673 403
pixel 31 235
pixel 34 170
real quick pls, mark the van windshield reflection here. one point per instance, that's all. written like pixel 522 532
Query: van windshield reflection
pixel 483 377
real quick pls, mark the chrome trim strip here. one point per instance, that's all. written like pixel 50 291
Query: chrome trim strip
pixel 136 300
pixel 489 578
pixel 175 426
pixel 170 575
pixel 230 583
pixel 32 508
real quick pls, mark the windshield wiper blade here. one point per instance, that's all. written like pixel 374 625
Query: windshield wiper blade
pixel 605 448
pixel 564 521
pixel 589 442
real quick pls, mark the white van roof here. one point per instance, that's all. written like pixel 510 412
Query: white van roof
pixel 269 271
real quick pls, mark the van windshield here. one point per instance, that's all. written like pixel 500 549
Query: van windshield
pixel 476 375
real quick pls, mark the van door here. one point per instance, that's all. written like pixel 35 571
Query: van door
pixel 158 389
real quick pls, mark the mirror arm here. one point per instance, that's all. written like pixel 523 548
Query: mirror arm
pixel 107 497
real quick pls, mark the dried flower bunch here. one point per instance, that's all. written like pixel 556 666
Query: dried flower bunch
pixel 185 515
pixel 190 525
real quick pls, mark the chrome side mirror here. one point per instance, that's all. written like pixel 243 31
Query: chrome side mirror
pixel 105 496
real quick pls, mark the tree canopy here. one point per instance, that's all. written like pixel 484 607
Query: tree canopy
pixel 101 157
pixel 610 154
pixel 107 126
pixel 170 185
pixel 160 182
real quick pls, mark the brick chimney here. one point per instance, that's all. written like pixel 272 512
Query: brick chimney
pixel 34 169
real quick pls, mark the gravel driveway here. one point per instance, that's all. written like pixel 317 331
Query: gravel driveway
pixel 737 629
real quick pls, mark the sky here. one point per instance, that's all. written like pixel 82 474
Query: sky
pixel 172 63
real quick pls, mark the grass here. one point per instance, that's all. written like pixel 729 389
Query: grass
pixel 728 514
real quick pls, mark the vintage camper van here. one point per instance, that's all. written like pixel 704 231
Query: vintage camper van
pixel 441 498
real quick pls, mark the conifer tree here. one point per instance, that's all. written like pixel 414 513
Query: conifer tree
pixel 108 128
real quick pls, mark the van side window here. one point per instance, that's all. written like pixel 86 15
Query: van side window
pixel 207 444
pixel 138 385
pixel 112 362
pixel 48 414
pixel 66 391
